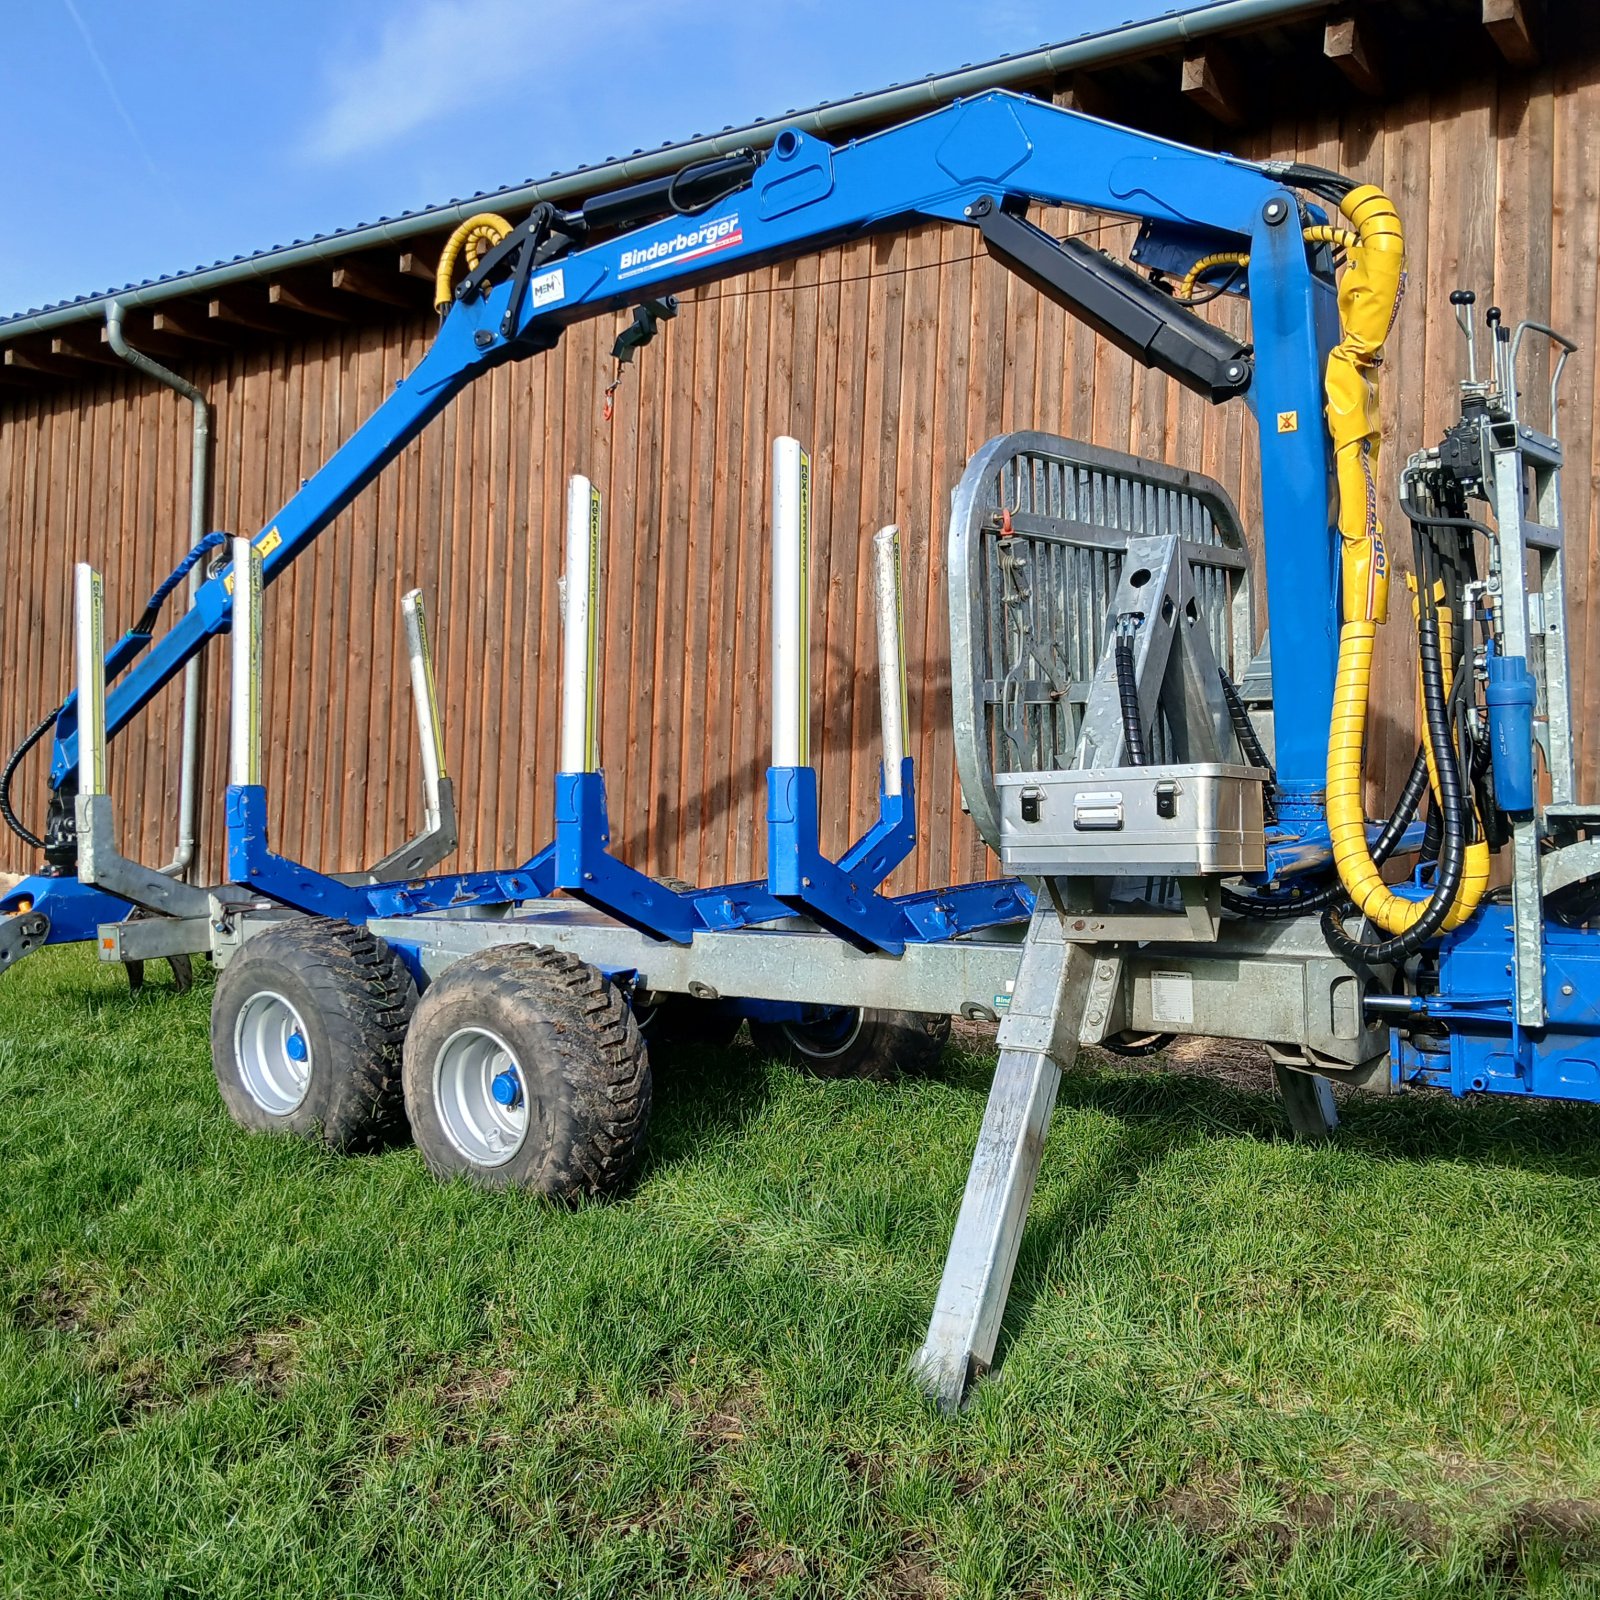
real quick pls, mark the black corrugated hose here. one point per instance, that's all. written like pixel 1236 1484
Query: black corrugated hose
pixel 1244 730
pixel 1128 694
pixel 1452 816
pixel 12 820
pixel 1387 842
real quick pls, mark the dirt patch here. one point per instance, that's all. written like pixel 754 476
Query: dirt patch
pixel 723 1421
pixel 765 1569
pixel 1566 1529
pixel 264 1360
pixel 1210 1511
pixel 466 1401
pixel 475 1388
pixel 140 1391
pixel 1238 1063
pixel 1537 1531
pixel 1206 1510
pixel 910 1576
pixel 52 1307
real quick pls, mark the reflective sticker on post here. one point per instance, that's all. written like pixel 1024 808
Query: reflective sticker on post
pixel 91 681
pixel 805 608
pixel 900 623
pixel 591 727
pixel 416 614
pixel 791 604
pixel 253 578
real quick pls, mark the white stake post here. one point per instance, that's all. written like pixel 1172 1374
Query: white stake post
pixel 430 736
pixel 580 631
pixel 891 653
pixel 244 734
pixel 791 604
pixel 89 642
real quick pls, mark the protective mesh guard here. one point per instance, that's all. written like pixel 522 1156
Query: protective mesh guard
pixel 1030 610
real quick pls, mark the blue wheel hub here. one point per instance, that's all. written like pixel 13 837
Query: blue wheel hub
pixel 295 1047
pixel 507 1088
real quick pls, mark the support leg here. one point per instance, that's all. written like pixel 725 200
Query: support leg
pixel 1308 1098
pixel 1055 988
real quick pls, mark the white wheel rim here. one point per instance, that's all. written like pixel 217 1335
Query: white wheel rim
pixel 273 1051
pixel 484 1129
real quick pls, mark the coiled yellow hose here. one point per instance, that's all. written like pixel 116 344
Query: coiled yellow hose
pixel 477 236
pixel 1321 234
pixel 1342 238
pixel 1227 258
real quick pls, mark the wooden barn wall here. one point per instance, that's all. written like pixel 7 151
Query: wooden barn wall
pixel 892 359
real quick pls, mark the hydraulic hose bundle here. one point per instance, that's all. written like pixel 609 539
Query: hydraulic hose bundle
pixel 1369 299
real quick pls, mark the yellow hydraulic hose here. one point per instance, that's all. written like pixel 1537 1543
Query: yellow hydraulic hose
pixel 1227 258
pixel 1369 299
pixel 1322 234
pixel 476 237
pixel 1341 237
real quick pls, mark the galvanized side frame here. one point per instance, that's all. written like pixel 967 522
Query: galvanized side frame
pixel 1273 982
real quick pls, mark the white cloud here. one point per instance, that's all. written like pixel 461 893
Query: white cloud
pixel 437 60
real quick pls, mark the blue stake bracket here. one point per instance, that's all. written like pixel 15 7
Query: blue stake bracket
pixel 842 896
pixel 253 864
pixel 586 869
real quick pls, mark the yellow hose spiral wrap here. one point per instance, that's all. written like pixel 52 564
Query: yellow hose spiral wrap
pixel 1369 300
pixel 474 239
pixel 1226 258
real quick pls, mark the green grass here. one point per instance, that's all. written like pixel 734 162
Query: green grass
pixel 232 1365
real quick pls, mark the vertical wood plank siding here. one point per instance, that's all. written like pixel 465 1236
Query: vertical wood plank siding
pixel 893 359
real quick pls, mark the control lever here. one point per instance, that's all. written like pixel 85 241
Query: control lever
pixel 1464 300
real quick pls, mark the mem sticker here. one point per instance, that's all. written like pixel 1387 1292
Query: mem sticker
pixel 546 287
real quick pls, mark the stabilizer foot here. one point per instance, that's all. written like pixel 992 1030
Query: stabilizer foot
pixel 1054 995
pixel 1308 1099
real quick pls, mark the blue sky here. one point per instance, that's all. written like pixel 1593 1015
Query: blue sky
pixel 148 136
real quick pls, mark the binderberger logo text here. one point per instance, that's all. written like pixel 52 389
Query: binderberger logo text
pixel 688 244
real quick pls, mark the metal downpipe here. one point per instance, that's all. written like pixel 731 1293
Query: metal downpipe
pixel 199 498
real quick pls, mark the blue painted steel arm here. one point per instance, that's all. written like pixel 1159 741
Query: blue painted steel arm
pixel 450 364
pixel 808 195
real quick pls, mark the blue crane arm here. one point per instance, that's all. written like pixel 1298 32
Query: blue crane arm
pixel 961 163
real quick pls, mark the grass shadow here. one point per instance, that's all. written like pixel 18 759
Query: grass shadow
pixel 702 1093
pixel 1155 1112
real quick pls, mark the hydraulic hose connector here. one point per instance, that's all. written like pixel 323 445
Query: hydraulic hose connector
pixel 475 238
